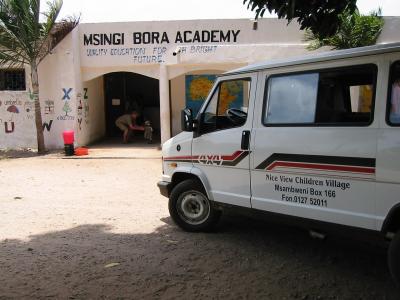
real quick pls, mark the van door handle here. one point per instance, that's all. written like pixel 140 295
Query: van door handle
pixel 245 145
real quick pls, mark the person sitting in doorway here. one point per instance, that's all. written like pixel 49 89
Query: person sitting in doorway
pixel 127 123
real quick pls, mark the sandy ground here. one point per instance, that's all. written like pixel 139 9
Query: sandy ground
pixel 98 228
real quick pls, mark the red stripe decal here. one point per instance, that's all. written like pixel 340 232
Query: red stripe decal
pixel 180 158
pixel 231 157
pixel 354 169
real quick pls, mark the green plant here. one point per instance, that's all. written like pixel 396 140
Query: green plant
pixel 66 108
pixel 320 17
pixel 355 30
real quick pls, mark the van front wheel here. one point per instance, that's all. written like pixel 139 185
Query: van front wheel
pixel 394 258
pixel 190 207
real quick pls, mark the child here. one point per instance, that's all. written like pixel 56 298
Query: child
pixel 148 132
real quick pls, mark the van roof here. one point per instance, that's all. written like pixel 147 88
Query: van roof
pixel 319 57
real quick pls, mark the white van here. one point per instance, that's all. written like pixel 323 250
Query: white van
pixel 316 138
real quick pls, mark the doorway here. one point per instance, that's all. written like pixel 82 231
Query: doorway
pixel 125 92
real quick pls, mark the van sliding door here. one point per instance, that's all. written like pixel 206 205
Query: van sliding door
pixel 388 161
pixel 315 145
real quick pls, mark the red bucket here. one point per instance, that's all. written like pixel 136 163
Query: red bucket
pixel 68 137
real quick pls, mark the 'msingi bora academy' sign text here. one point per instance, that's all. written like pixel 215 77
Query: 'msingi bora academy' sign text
pixel 154 37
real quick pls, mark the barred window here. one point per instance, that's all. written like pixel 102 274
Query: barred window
pixel 12 80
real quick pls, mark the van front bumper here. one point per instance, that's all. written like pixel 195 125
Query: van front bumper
pixel 164 188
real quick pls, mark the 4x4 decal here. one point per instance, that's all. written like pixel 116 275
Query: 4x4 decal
pixel 212 159
pixel 223 160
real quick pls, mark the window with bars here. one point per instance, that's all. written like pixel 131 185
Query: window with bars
pixel 12 80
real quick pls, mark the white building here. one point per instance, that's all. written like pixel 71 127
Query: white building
pixel 98 70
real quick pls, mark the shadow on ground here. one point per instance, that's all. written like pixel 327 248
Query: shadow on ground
pixel 245 258
pixel 116 143
pixel 23 153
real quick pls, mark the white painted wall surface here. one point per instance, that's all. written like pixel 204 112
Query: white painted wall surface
pixel 390 32
pixel 92 125
pixel 17 128
pixel 57 79
pixel 272 38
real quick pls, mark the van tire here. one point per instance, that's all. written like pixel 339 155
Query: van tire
pixel 190 207
pixel 394 258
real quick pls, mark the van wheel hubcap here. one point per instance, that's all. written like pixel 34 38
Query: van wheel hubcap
pixel 193 207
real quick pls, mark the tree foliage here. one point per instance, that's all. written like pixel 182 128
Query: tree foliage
pixel 319 16
pixel 355 30
pixel 23 36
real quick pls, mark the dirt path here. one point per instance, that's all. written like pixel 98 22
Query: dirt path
pixel 98 228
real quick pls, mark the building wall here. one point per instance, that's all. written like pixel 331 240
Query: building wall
pixel 390 32
pixel 58 76
pixel 91 112
pixel 75 68
pixel 57 94
pixel 17 120
pixel 152 43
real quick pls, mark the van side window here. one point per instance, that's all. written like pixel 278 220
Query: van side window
pixel 346 95
pixel 393 117
pixel 342 96
pixel 292 99
pixel 228 106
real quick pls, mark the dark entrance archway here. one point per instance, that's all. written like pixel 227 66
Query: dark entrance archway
pixel 124 92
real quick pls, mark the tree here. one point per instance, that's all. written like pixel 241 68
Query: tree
pixel 355 30
pixel 66 108
pixel 25 39
pixel 319 16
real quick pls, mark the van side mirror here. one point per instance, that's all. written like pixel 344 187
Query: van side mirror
pixel 187 119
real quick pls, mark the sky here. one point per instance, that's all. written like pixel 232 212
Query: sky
pixel 94 11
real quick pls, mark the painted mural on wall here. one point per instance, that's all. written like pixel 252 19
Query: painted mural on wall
pixel 49 107
pixel 12 109
pixel 230 96
pixel 48 117
pixel 47 125
pixel 79 110
pixel 82 109
pixel 66 108
pixel 197 88
pixel 16 119
pixel 86 105
pixel 29 108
